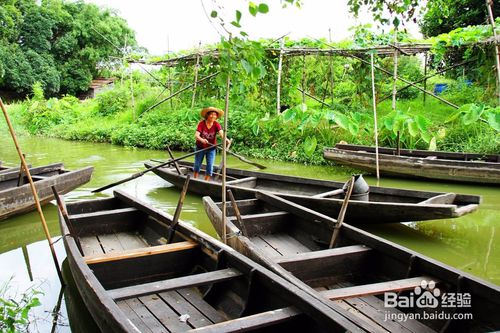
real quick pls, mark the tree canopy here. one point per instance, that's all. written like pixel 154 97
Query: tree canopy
pixel 444 16
pixel 61 44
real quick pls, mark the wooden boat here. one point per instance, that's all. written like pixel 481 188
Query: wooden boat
pixel 15 192
pixel 359 272
pixel 439 165
pixel 132 281
pixel 384 204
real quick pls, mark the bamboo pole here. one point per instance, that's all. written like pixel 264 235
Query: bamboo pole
pixel 224 158
pixel 303 79
pixel 278 84
pixel 33 190
pixel 395 75
pixel 196 68
pixel 343 209
pixel 375 130
pixel 489 5
pixel 425 75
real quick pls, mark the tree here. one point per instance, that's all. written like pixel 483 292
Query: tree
pixel 59 43
pixel 444 16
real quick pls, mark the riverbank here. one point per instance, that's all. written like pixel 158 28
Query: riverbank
pixel 297 135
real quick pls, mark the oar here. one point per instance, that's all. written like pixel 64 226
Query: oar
pixel 243 159
pixel 138 174
pixel 175 220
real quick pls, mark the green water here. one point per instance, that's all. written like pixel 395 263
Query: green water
pixel 470 243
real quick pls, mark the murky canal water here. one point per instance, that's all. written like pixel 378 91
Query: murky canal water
pixel 470 243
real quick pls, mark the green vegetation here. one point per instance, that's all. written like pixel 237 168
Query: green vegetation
pixel 339 106
pixel 61 44
pixel 15 311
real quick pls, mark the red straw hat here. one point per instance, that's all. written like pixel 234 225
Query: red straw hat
pixel 205 111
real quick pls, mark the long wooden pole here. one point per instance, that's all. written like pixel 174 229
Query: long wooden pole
pixel 489 5
pixel 343 209
pixel 375 129
pixel 224 156
pixel 278 84
pixel 33 190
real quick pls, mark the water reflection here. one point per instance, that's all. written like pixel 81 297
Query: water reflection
pixel 469 243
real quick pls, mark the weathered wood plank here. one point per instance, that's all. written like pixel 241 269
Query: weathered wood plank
pixel 265 247
pixel 182 306
pixel 194 297
pixel 263 223
pixel 364 321
pixel 246 182
pixel 133 317
pixel 253 322
pixel 446 198
pixel 131 240
pixel 338 253
pixel 168 317
pixel 91 246
pixel 175 283
pixel 285 244
pixel 135 253
pixel 110 243
pixel 295 208
pixel 145 316
pixel 329 193
pixel 375 288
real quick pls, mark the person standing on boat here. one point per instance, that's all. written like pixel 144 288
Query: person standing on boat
pixel 206 135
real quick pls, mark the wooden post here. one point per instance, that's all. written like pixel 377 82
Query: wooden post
pixel 395 76
pixel 20 180
pixel 343 209
pixel 425 75
pixel 178 209
pixel 33 190
pixel 375 130
pixel 196 67
pixel 489 5
pixel 278 84
pixel 243 228
pixel 303 79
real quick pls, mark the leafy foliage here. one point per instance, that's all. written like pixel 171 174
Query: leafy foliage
pixel 443 16
pixel 59 43
pixel 14 312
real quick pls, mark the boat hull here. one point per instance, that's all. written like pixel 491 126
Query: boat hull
pixel 385 205
pixel 17 200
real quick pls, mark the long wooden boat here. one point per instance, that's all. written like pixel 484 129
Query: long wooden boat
pixel 131 280
pixel 383 205
pixel 438 165
pixel 15 192
pixel 378 280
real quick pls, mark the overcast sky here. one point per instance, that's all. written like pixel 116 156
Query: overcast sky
pixel 177 25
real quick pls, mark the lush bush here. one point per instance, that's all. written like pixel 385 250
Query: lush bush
pixel 112 101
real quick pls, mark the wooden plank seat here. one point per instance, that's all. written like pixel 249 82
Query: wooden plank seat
pixel 329 254
pixel 141 252
pixel 445 198
pixel 253 322
pixel 175 283
pixel 375 288
pixel 102 215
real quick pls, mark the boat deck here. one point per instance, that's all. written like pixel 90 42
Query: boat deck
pixel 368 308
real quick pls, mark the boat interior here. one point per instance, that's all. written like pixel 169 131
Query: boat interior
pixel 14 178
pixel 355 273
pixel 155 283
